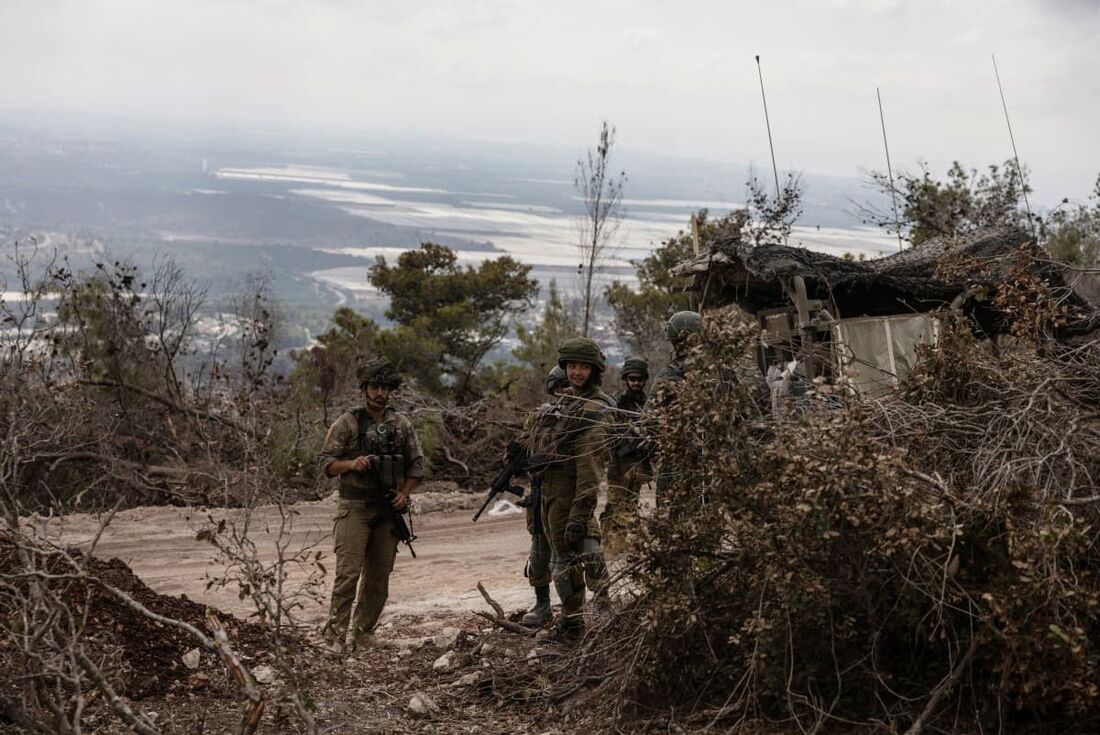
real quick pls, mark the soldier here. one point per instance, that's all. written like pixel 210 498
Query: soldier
pixel 574 437
pixel 375 453
pixel 538 561
pixel 680 326
pixel 628 465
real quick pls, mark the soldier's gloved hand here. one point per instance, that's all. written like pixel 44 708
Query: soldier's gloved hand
pixel 574 535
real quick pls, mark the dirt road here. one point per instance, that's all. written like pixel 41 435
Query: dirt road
pixel 453 554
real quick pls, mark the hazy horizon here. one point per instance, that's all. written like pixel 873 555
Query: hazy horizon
pixel 676 79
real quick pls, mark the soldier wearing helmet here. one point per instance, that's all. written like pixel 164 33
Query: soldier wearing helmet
pixel 680 326
pixel 679 329
pixel 538 560
pixel 375 453
pixel 627 467
pixel 572 437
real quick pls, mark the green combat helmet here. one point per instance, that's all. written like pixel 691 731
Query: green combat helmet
pixel 635 365
pixel 681 324
pixel 554 379
pixel 378 372
pixel 581 349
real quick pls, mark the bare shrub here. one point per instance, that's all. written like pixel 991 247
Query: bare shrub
pixel 924 560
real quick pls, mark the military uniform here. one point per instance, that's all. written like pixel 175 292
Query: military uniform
pixel 363 531
pixel 570 484
pixel 673 373
pixel 627 470
pixel 680 326
pixel 538 560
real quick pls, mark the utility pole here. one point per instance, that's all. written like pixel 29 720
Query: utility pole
pixel 889 169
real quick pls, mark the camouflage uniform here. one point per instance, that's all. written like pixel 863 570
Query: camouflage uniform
pixel 570 486
pixel 628 466
pixel 365 554
pixel 538 560
pixel 680 326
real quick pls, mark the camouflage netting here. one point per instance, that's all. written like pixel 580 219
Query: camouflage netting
pixel 928 560
pixel 913 279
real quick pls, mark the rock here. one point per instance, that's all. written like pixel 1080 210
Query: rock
pixel 469 680
pixel 198 680
pixel 422 705
pixel 263 674
pixel 449 638
pixel 191 658
pixel 533 655
pixel 488 650
pixel 404 653
pixel 448 662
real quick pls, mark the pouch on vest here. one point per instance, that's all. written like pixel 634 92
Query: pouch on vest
pixel 545 434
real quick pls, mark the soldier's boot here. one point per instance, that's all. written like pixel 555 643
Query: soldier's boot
pixel 362 642
pixel 540 614
pixel 568 575
pixel 334 641
pixel 569 628
pixel 596 575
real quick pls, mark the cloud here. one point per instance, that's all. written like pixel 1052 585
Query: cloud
pixel 674 77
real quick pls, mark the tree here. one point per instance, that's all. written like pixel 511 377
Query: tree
pixel 256 318
pixel 1072 232
pixel 640 313
pixel 448 318
pixel 171 311
pixel 601 192
pixel 328 367
pixel 106 338
pixel 966 201
pixel 770 218
pixel 538 345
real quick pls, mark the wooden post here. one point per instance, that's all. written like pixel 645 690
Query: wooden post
pixel 696 246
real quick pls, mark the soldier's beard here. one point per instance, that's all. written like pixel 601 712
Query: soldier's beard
pixel 377 404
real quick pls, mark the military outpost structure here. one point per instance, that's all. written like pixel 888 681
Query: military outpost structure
pixel 863 320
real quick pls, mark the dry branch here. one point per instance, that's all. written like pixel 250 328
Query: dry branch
pixel 499 617
pixel 169 403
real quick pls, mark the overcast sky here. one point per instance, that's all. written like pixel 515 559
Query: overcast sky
pixel 675 77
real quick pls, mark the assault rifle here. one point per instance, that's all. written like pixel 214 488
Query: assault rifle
pixel 401 530
pixel 518 462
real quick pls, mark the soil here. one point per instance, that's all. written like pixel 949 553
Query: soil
pixel 155 554
pixel 159 544
pixel 149 654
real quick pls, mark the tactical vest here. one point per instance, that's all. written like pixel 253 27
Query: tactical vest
pixel 544 432
pixel 384 442
pixel 557 426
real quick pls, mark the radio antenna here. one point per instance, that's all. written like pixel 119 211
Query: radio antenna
pixel 767 122
pixel 889 169
pixel 1011 137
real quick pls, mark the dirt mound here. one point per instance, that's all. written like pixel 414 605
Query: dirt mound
pixel 150 654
